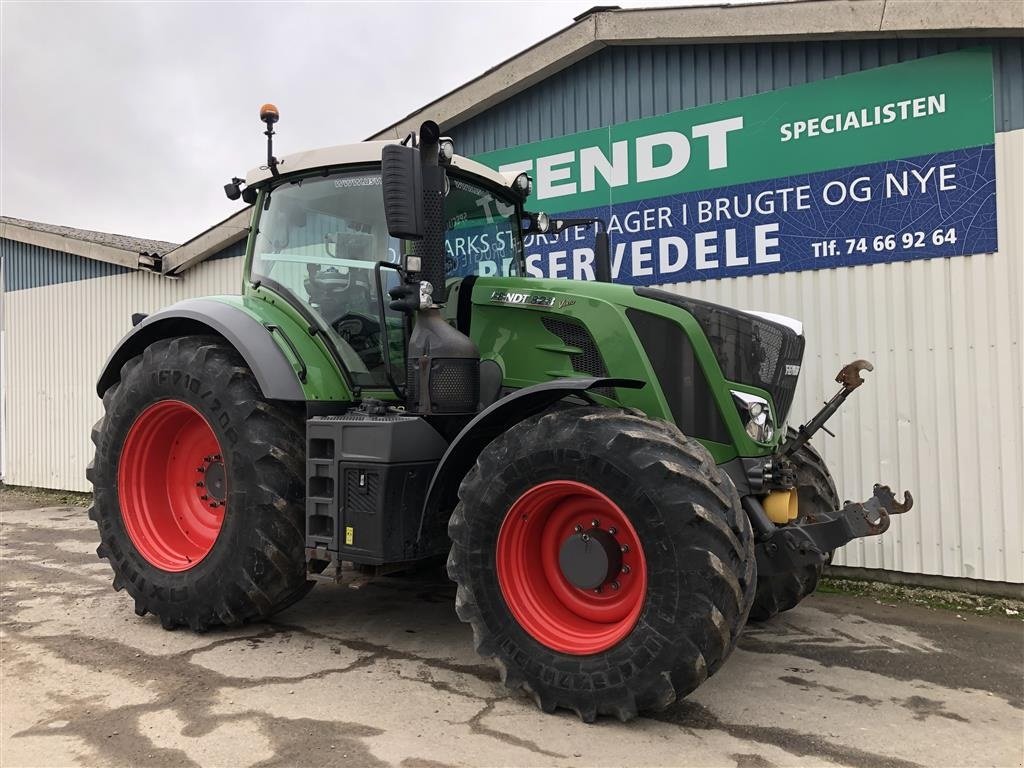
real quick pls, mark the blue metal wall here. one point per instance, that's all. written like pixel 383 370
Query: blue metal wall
pixel 30 266
pixel 623 83
pixel 231 251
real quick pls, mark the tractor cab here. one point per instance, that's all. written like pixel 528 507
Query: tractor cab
pixel 321 241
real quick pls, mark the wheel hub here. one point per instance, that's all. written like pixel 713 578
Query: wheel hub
pixel 590 559
pixel 214 481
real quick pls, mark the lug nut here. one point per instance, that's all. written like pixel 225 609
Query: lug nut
pixel 204 497
pixel 214 504
pixel 577 529
pixel 200 469
pixel 594 523
pixel 613 530
pixel 625 568
pixel 615 585
pixel 597 591
pixel 199 484
pixel 625 548
pixel 585 537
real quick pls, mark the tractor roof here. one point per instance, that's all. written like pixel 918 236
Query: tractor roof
pixel 363 152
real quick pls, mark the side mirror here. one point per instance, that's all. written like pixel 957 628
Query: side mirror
pixel 542 223
pixel 402 182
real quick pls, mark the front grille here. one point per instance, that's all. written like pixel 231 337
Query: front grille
pixel 588 360
pixel 454 384
pixel 749 349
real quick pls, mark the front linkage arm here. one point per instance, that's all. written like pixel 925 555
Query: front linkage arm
pixel 849 376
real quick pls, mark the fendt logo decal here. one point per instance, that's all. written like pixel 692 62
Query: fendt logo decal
pixel 529 299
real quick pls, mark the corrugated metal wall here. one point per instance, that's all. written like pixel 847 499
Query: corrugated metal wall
pixel 59 333
pixel 941 414
pixel 628 82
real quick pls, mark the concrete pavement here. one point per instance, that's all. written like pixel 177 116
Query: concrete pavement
pixel 385 674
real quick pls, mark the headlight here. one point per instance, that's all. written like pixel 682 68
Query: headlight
pixel 537 222
pixel 523 185
pixel 445 151
pixel 756 416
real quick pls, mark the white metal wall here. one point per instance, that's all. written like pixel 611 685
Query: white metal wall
pixel 943 412
pixel 59 337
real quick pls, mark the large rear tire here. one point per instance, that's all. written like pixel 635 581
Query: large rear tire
pixel 199 488
pixel 665 615
pixel 779 591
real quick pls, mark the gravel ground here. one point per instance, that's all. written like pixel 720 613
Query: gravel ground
pixel 381 672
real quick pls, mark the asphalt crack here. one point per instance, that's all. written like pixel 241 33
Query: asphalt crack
pixel 689 714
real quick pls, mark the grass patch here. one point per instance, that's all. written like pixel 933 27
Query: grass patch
pixel 962 603
pixel 20 496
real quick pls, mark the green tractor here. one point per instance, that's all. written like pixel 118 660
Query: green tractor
pixel 607 468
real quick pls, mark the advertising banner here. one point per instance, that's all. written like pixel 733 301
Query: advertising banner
pixel 891 164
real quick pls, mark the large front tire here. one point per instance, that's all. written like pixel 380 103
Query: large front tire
pixel 665 616
pixel 198 487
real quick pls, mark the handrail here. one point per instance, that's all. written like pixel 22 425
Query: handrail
pixel 382 319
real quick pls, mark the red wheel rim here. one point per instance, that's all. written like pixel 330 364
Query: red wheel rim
pixel 546 604
pixel 171 485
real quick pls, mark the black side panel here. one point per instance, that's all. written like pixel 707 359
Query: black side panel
pixel 366 480
pixel 464 309
pixel 681 378
pixel 274 373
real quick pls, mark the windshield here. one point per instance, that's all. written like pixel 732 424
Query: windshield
pixel 482 233
pixel 319 239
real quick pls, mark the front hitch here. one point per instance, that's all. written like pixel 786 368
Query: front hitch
pixel 790 547
pixel 812 539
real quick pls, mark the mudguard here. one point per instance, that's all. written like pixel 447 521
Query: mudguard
pixel 274 373
pixel 498 417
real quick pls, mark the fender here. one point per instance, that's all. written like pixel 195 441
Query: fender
pixel 275 375
pixel 493 421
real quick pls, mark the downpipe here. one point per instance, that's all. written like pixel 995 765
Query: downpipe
pixel 764 528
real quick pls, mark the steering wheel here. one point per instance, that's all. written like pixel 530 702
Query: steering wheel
pixel 362 333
